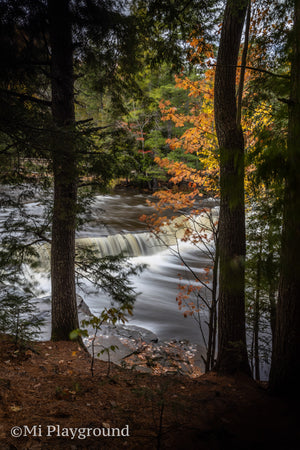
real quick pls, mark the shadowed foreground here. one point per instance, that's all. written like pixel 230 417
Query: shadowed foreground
pixel 51 385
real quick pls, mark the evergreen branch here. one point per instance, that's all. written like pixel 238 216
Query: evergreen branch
pixel 36 241
pixel 288 101
pixel 87 184
pixel 82 122
pixel 185 6
pixel 26 97
pixel 7 148
pixel 94 129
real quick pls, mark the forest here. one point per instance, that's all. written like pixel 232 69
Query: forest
pixel 189 111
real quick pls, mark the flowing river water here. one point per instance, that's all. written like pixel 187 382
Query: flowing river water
pixel 115 226
pixel 115 223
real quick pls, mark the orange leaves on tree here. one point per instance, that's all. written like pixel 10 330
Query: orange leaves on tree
pixel 184 301
pixel 198 137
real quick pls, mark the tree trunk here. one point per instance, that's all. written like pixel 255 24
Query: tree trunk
pixel 285 369
pixel 64 306
pixel 212 328
pixel 272 311
pixel 232 351
pixel 257 312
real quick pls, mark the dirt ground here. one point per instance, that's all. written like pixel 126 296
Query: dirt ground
pixel 50 400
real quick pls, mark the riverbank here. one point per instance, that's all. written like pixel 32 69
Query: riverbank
pixel 139 349
pixel 156 308
pixel 133 346
pixel 50 385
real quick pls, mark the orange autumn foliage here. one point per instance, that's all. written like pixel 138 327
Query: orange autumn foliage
pixel 198 138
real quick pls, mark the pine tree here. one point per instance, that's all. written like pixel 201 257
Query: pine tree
pixel 64 157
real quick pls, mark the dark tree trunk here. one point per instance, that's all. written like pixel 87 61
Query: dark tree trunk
pixel 272 310
pixel 64 307
pixel 212 325
pixel 232 351
pixel 257 312
pixel 285 369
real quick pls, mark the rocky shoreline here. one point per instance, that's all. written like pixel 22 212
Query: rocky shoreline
pixel 134 347
pixel 140 349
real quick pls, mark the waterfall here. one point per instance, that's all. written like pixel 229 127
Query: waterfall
pixel 137 244
pixel 130 245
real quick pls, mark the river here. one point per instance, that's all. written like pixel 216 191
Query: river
pixel 156 308
pixel 115 223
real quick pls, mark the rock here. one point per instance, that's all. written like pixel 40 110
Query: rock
pixel 130 332
pixel 82 306
pixel 43 305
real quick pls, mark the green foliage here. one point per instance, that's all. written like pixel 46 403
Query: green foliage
pixel 108 315
pixel 18 315
pixel 110 274
pixel 143 122
pixel 166 26
pixel 262 274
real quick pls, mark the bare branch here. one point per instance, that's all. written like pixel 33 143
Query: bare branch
pixel 257 69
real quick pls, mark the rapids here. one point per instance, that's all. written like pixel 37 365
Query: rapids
pixel 114 227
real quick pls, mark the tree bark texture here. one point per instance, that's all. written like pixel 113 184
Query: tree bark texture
pixel 64 306
pixel 285 368
pixel 232 351
pixel 257 312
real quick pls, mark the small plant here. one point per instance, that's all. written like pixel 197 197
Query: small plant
pixel 107 350
pixel 156 396
pixel 17 315
pixel 109 315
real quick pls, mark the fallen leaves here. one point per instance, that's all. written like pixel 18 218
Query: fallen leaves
pixel 15 408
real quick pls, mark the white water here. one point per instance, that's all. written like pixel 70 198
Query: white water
pixel 116 228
